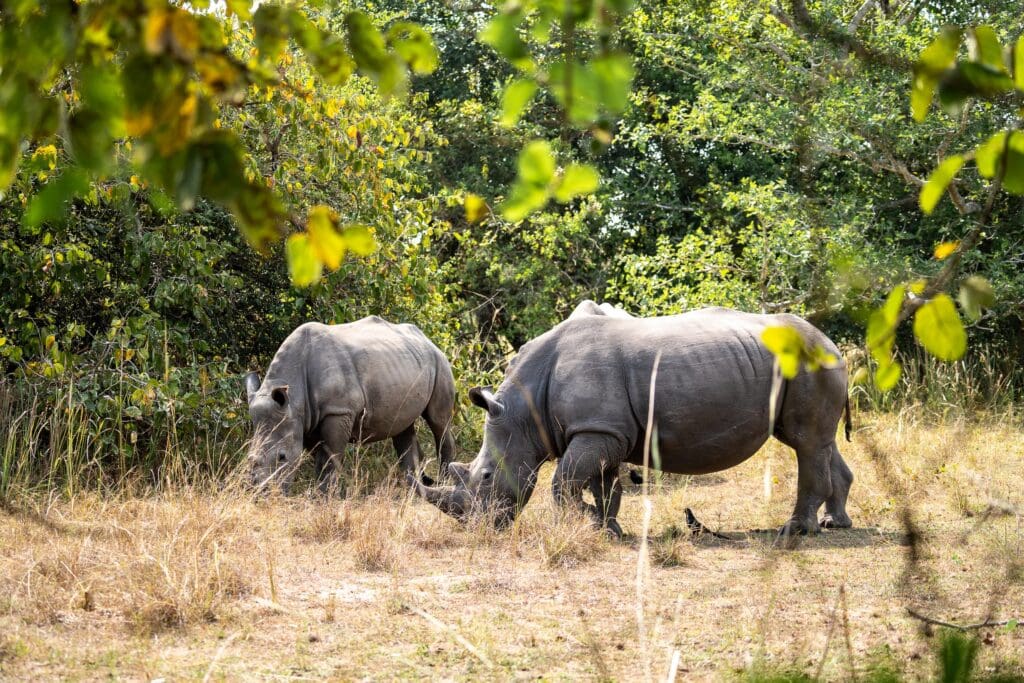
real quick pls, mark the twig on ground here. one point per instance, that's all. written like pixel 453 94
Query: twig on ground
pixel 456 636
pixel 962 627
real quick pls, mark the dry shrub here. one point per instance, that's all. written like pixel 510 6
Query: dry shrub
pixel 376 530
pixel 324 522
pixel 564 538
pixel 671 549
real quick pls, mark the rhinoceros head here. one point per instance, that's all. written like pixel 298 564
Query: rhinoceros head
pixel 500 480
pixel 276 444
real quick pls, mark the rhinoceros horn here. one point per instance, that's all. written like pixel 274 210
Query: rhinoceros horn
pixel 452 500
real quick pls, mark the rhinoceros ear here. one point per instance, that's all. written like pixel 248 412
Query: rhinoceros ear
pixel 483 398
pixel 252 385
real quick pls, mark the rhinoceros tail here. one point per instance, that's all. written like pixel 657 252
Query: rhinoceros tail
pixel 848 421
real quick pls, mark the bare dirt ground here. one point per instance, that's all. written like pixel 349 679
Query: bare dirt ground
pixel 206 586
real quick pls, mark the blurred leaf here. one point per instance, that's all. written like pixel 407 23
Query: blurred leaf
pixel 975 294
pixel 579 94
pixel 51 203
pixel 941 52
pixel 614 73
pixel 921 94
pixel 327 244
pixel 414 45
pixel 988 153
pixel 269 24
pixel 1018 63
pixel 359 239
pixel 938 327
pixel 788 347
pixel 881 326
pixel 502 34
pixel 240 8
pixel 577 179
pixel 1013 179
pixel 943 250
pixel 983 46
pixel 886 376
pixel 367 45
pixel 523 200
pixel 476 208
pixel 514 99
pixel 537 163
pixel 303 265
pixel 938 181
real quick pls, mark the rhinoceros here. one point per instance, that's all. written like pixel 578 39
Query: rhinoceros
pixel 580 393
pixel 588 307
pixel 331 385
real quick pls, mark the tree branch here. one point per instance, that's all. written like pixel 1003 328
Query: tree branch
pixel 961 627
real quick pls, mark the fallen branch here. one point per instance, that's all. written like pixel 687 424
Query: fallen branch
pixel 963 627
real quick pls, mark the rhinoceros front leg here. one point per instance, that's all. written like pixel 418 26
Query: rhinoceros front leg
pixel 408 449
pixel 587 457
pixel 335 432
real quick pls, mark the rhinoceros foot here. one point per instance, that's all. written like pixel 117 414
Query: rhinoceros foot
pixel 613 529
pixel 836 522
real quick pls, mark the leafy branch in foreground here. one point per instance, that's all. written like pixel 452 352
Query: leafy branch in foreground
pixel 988 72
pixel 563 48
pixel 140 87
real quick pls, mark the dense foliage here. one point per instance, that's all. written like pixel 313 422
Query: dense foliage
pixel 756 163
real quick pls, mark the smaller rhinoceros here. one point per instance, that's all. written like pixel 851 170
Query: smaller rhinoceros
pixel 331 385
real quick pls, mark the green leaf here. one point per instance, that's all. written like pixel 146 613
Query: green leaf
pixel 881 326
pixel 921 94
pixel 614 73
pixel 941 52
pixel 414 45
pixel 370 51
pixel 577 179
pixel 579 95
pixel 269 24
pixel 303 265
pixel 985 80
pixel 1018 63
pixel 887 375
pixel 987 154
pixel 476 208
pixel 502 34
pixel 983 46
pixel 937 326
pixel 523 200
pixel 514 99
pixel 956 658
pixel 1013 179
pixel 51 203
pixel 975 294
pixel 788 347
pixel 240 8
pixel 537 163
pixel 938 181
pixel 359 239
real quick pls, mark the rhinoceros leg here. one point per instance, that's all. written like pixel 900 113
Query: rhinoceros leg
pixel 607 491
pixel 835 505
pixel 408 449
pixel 587 457
pixel 439 419
pixel 335 431
pixel 814 487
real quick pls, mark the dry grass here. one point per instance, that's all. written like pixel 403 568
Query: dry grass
pixel 188 583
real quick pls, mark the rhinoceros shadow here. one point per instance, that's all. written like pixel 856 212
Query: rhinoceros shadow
pixel 857 537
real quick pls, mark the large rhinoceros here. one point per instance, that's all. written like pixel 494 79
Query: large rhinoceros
pixel 580 393
pixel 331 385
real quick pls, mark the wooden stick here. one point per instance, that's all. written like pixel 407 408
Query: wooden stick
pixel 961 627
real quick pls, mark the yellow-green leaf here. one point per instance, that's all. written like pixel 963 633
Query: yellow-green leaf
pixel 787 345
pixel 514 99
pixel 984 47
pixel 987 154
pixel 937 326
pixel 577 179
pixel 941 52
pixel 476 208
pixel 327 244
pixel 1018 64
pixel 537 163
pixel 921 93
pixel 887 375
pixel 943 250
pixel 976 293
pixel 938 181
pixel 359 239
pixel 303 265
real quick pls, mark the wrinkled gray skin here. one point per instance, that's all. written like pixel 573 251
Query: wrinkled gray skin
pixel 580 393
pixel 331 385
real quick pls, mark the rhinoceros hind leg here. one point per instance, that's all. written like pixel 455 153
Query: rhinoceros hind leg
pixel 835 505
pixel 814 487
pixel 607 491
pixel 438 416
